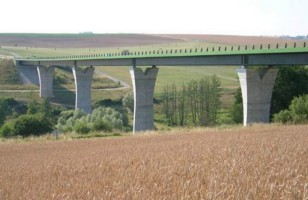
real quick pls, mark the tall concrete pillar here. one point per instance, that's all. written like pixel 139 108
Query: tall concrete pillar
pixel 83 81
pixel 257 86
pixel 45 75
pixel 143 85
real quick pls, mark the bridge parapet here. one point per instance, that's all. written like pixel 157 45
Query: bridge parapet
pixel 178 52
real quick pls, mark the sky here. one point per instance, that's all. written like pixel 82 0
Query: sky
pixel 224 17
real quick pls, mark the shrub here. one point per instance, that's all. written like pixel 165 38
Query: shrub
pixel 7 107
pixel 6 130
pixel 128 101
pixel 297 112
pixel 67 119
pixel 102 119
pixel 102 125
pixel 283 116
pixel 26 125
pixel 81 127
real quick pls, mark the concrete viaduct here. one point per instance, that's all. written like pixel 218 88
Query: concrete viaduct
pixel 256 82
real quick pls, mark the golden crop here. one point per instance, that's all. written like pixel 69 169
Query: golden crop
pixel 258 162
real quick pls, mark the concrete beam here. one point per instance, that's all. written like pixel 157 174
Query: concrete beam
pixel 299 58
pixel 257 86
pixel 83 81
pixel 143 86
pixel 45 75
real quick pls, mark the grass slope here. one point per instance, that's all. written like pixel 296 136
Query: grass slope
pixel 8 72
pixel 179 75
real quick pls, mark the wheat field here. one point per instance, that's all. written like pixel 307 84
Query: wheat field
pixel 257 162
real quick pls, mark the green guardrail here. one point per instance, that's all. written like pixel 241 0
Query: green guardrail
pixel 179 52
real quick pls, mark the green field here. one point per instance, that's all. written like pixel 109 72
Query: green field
pixel 179 75
pixel 40 52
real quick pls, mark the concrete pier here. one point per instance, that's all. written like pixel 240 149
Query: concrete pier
pixel 257 86
pixel 83 81
pixel 45 75
pixel 143 86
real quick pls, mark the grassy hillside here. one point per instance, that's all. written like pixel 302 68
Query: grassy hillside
pixel 179 75
pixel 8 72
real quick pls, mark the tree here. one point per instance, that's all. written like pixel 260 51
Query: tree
pixel 33 107
pixel 296 113
pixel 290 82
pixel 192 92
pixel 215 94
pixel 45 108
pixel 169 98
pixel 182 106
pixel 7 107
pixel 197 102
pixel 237 107
pixel 128 101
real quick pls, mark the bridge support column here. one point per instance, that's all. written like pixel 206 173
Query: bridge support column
pixel 143 86
pixel 45 75
pixel 256 86
pixel 83 81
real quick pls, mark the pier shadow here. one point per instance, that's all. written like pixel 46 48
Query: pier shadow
pixel 63 96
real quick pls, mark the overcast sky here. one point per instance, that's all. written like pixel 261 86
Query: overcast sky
pixel 236 17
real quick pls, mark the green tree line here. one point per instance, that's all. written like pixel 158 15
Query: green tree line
pixel 195 103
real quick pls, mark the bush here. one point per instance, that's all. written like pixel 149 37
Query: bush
pixel 26 125
pixel 68 118
pixel 128 101
pixel 81 127
pixel 297 112
pixel 283 116
pixel 6 130
pixel 7 107
pixel 102 119
pixel 102 125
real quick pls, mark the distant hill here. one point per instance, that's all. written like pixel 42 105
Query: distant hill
pixel 231 39
pixel 82 40
pixel 124 40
